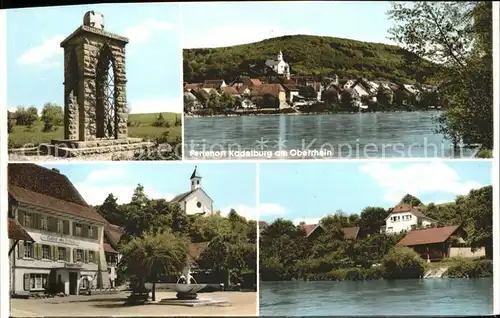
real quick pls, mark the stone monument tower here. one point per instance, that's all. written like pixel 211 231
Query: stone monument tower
pixel 95 102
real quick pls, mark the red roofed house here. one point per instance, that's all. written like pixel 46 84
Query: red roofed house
pixel 245 81
pixel 231 90
pixel 275 90
pixel 217 84
pixel 64 246
pixel 405 217
pixel 437 243
pixel 312 230
pixel 192 86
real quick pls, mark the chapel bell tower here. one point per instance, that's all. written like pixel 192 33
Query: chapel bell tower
pixel 195 179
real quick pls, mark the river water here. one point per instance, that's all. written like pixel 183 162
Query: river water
pixel 366 135
pixel 441 296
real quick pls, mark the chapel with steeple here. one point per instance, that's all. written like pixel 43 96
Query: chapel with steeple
pixel 196 200
pixel 279 66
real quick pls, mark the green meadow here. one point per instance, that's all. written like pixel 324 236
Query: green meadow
pixel 139 126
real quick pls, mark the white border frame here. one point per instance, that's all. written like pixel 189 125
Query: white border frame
pixel 4 262
pixel 495 160
pixel 4 245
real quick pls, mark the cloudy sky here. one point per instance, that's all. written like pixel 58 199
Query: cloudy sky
pixel 154 59
pixel 307 191
pixel 216 24
pixel 230 186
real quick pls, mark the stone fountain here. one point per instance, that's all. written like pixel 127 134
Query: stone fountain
pixel 187 288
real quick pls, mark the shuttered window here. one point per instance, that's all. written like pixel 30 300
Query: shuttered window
pixel 62 254
pixel 80 255
pixel 46 252
pixel 92 257
pixel 26 250
pixel 26 282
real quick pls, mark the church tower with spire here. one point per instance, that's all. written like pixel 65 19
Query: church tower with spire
pixel 279 57
pixel 195 179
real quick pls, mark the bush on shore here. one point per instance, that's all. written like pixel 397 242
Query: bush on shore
pixel 403 262
pixel 471 269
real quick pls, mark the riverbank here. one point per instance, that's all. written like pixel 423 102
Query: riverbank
pixel 292 112
pixel 456 269
pixel 240 304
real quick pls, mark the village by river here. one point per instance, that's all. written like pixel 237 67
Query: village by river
pixel 359 135
pixel 416 297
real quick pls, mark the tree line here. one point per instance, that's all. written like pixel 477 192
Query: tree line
pixel 457 36
pixel 286 253
pixel 52 116
pixel 157 234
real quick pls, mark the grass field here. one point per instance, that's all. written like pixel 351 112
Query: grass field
pixel 140 126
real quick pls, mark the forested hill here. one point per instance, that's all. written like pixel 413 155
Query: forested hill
pixel 308 55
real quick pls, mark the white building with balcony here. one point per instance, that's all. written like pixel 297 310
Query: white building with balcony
pixel 405 217
pixel 66 253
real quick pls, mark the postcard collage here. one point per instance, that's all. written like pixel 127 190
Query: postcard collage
pixel 250 158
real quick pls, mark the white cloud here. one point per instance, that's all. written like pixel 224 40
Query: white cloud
pixel 156 106
pixel 253 213
pixel 306 220
pixel 44 53
pixel 416 179
pixel 228 35
pixel 266 209
pixel 250 213
pixel 106 175
pixel 142 32
pixel 96 193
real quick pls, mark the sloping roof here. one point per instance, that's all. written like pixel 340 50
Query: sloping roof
pixel 308 228
pixel 249 82
pixel 195 173
pixel 178 198
pixel 264 89
pixel 37 178
pixel 17 232
pixel 404 207
pixel 195 249
pixel 230 90
pixel 290 87
pixel 271 63
pixel 213 83
pixel 115 232
pixel 351 233
pixel 55 204
pixel 255 81
pixel 193 85
pixel 428 236
pixel 108 248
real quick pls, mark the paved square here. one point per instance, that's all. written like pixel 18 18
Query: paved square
pixel 241 304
